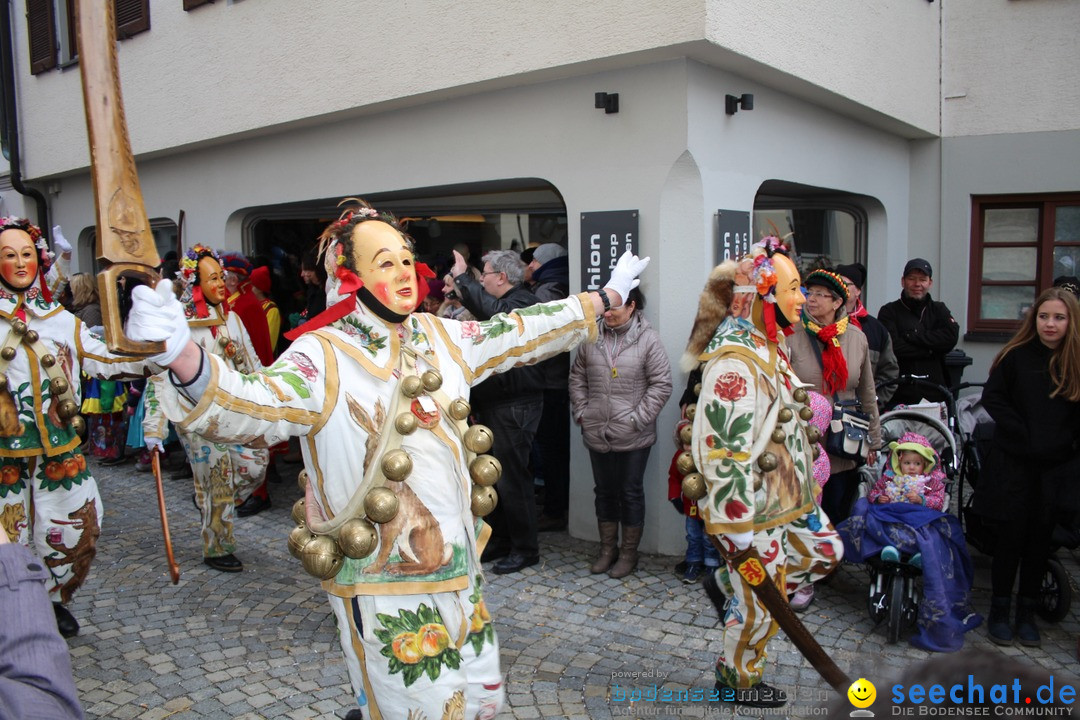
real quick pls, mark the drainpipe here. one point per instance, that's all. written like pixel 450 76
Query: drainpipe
pixel 11 129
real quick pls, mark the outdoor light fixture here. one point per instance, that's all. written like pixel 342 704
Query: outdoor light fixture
pixel 608 101
pixel 732 103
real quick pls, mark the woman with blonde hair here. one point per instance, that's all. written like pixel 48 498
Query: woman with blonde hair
pixel 84 299
pixel 1033 395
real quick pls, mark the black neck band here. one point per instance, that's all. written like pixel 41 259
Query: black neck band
pixel 380 310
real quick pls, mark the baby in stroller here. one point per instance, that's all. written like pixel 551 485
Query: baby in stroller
pixel 902 515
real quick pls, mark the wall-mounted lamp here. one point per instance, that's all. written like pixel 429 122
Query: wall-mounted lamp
pixel 608 101
pixel 732 103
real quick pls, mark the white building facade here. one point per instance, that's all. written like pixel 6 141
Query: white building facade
pixel 879 131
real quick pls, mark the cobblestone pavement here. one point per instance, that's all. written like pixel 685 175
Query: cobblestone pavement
pixel 262 644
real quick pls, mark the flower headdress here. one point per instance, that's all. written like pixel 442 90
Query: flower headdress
pixel 189 275
pixel 45 255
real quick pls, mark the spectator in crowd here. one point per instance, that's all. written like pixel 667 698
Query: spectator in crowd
pixel 1033 395
pixel 314 276
pixel 550 273
pixel 830 353
pixel 882 356
pixel 435 297
pixel 618 386
pixel 35 668
pixel 923 331
pixel 511 405
pixel 246 305
pixel 261 288
pixel 1070 283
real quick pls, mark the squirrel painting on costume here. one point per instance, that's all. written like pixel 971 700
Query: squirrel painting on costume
pixel 396 482
pixel 47 494
pixel 752 446
pixel 221 471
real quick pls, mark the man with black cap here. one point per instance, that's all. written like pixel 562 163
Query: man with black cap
pixel 923 332
pixel 882 356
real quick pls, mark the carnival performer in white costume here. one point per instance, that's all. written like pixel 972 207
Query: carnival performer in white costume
pixel 395 479
pixel 222 471
pixel 48 498
pixel 752 446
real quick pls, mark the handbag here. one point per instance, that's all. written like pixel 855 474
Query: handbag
pixel 849 432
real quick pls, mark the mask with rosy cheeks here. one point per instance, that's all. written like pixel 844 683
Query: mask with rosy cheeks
pixel 18 259
pixel 385 263
pixel 789 297
pixel 211 280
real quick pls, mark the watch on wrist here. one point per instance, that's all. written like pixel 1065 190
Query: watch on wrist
pixel 604 299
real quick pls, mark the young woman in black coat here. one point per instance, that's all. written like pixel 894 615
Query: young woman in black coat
pixel 1033 394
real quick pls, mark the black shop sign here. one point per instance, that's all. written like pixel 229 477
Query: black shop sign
pixel 604 237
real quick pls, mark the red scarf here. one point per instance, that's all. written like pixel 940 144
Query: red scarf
pixel 834 369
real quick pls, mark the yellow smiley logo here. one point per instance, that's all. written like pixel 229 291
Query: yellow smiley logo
pixel 862 693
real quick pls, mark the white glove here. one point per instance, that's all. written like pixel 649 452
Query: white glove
pixel 154 445
pixel 157 315
pixel 625 273
pixel 59 241
pixel 740 541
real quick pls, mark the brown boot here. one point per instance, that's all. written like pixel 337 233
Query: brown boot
pixel 631 536
pixel 609 538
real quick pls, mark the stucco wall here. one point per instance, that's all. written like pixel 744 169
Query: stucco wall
pixel 233 68
pixel 1010 66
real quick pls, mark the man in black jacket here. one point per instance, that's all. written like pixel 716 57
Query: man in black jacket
pixel 923 332
pixel 510 404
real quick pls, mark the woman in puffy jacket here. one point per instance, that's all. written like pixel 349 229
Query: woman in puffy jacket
pixel 618 386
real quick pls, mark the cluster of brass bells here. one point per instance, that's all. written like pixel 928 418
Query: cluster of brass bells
pixel 693 482
pixel 67 409
pixel 768 461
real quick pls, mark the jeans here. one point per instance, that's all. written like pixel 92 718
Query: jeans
pixel 699 549
pixel 618 480
pixel 514 427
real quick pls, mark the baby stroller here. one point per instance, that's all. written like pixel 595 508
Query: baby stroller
pixel 895 582
pixel 977 430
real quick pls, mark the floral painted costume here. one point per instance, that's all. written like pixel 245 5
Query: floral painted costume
pixel 222 471
pixel 415 631
pixel 747 394
pixel 48 498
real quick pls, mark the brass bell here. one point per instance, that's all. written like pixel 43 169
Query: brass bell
pixel 302 479
pixel 691 411
pixel 396 465
pixel 806 413
pixel 485 470
pixel 478 439
pixel 767 461
pixel 19 327
pixel 47 361
pixel 322 557
pixel 223 340
pixel 381 504
pixel 59 386
pixel 67 409
pixel 813 434
pixel 78 425
pixel 31 336
pixel 482 500
pixel 686 434
pixel 799 394
pixel 8 353
pixel 785 415
pixel 411 386
pixel 298 538
pixel 3 381
pixel 693 486
pixel 685 463
pixel 778 436
pixel 697 389
pixel 817 451
pixel 406 423
pixel 459 409
pixel 299 511
pixel 357 538
pixel 431 380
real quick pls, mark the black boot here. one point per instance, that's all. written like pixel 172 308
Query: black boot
pixel 65 621
pixel 997 625
pixel 1026 630
pixel 356 714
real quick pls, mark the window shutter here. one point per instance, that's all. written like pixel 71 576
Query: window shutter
pixel 132 17
pixel 41 28
pixel 192 4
